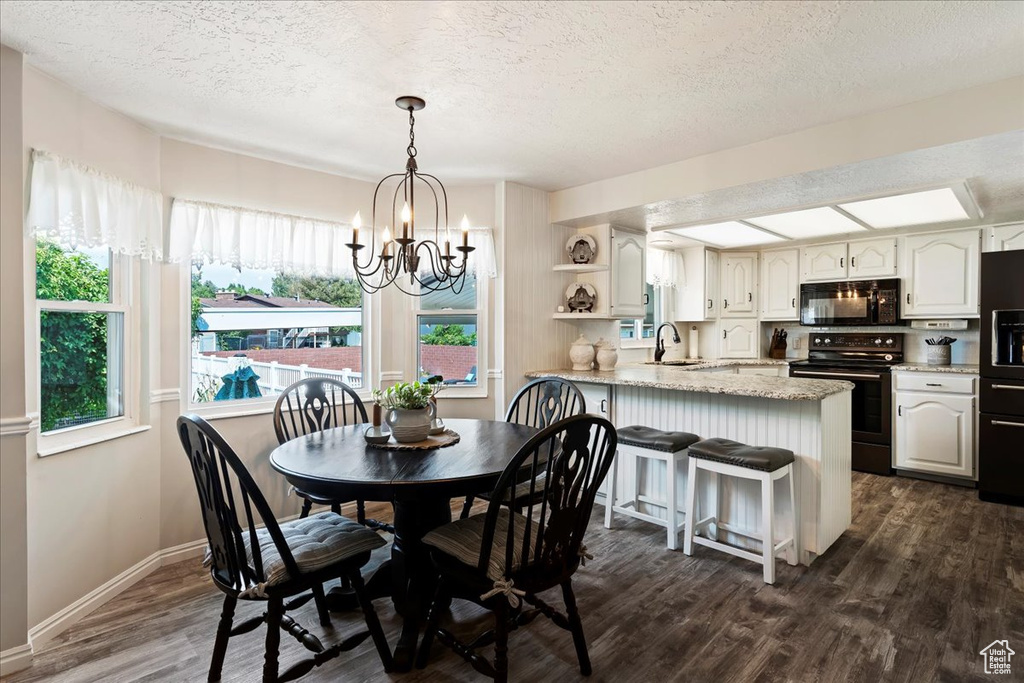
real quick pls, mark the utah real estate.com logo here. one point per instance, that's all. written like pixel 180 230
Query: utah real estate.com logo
pixel 997 657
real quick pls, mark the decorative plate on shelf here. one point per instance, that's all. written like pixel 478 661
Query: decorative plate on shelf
pixel 582 248
pixel 581 297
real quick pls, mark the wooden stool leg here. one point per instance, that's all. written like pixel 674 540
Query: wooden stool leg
pixel 670 505
pixel 691 507
pixel 793 554
pixel 768 526
pixel 609 499
pixel 713 511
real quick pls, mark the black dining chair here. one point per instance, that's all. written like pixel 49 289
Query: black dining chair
pixel 313 405
pixel 506 556
pixel 276 562
pixel 539 403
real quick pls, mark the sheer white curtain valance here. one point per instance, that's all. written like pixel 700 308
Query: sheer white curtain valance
pixel 284 243
pixel 665 268
pixel 79 206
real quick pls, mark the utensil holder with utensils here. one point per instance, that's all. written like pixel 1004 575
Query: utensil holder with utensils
pixel 940 350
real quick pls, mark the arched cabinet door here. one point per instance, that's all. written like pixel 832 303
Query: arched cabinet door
pixel 739 285
pixel 1005 238
pixel 940 274
pixel 738 339
pixel 935 433
pixel 780 285
pixel 872 258
pixel 629 274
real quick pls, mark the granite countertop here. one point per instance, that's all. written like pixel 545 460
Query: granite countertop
pixel 702 364
pixel 682 378
pixel 955 368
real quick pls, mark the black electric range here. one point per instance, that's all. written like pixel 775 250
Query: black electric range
pixel 866 359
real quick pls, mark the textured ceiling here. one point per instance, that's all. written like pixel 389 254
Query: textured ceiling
pixel 548 94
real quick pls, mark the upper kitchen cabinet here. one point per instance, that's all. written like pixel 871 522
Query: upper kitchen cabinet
pixel 780 285
pixel 629 272
pixel 1005 237
pixel 940 274
pixel 872 258
pixel 823 262
pixel 697 292
pixel 739 281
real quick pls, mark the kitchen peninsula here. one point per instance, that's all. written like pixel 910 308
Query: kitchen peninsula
pixel 808 416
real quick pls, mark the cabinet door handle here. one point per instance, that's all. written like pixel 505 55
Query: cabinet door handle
pixel 710 304
pixel 1004 423
pixel 908 297
pixel 841 259
pixel 899 411
pixel 647 299
pixel 604 405
pixel 853 261
pixel 750 297
pixel 726 303
pixel 725 335
pixel 932 384
pixel 794 302
pixel 1008 386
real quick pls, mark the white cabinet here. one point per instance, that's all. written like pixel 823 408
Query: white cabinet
pixel 697 295
pixel 872 258
pixel 940 274
pixel 598 398
pixel 935 433
pixel 739 339
pixel 1005 238
pixel 628 274
pixel 739 279
pixel 780 285
pixel 823 262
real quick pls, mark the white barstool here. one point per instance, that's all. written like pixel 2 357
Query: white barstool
pixel 734 459
pixel 638 442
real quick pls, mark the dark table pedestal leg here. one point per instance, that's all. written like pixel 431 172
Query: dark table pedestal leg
pixel 412 574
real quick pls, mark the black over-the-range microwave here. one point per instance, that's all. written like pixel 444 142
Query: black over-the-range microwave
pixel 853 302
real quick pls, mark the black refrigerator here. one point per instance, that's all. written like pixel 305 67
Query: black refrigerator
pixel 1001 419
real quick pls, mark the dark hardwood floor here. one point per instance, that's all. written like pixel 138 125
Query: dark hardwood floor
pixel 925 578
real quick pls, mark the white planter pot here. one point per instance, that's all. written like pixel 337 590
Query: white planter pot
pixel 409 426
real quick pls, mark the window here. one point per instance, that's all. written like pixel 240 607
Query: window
pixel 448 327
pixel 82 304
pixel 254 332
pixel 640 331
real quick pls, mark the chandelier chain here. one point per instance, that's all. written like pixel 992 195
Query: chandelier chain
pixel 411 149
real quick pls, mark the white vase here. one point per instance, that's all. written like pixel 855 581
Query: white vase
pixel 410 426
pixel 607 356
pixel 581 353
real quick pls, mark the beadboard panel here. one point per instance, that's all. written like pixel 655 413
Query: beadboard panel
pixel 532 289
pixel 816 431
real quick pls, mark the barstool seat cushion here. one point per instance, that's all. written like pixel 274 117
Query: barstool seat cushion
pixel 655 439
pixel 762 458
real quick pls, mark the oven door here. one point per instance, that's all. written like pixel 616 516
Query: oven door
pixel 838 303
pixel 872 399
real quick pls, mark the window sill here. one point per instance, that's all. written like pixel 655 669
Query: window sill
pixel 44 451
pixel 248 407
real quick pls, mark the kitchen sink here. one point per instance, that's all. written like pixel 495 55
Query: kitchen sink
pixel 676 362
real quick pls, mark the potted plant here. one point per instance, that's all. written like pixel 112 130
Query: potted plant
pixel 409 409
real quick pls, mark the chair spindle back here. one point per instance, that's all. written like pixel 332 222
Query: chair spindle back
pixel 219 474
pixel 315 404
pixel 545 401
pixel 567 461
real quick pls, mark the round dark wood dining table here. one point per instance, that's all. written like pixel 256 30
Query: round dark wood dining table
pixel 338 463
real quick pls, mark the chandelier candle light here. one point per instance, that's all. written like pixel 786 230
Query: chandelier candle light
pixel 404 255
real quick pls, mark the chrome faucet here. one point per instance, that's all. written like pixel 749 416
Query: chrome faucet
pixel 659 344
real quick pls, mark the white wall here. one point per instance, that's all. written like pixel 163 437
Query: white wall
pixel 14 425
pixel 92 512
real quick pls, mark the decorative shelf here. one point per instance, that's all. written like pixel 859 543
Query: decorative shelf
pixel 581 268
pixel 582 316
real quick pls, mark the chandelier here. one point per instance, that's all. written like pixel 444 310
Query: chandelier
pixel 428 263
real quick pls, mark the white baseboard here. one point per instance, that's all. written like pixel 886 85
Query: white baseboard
pixel 57 623
pixel 15 659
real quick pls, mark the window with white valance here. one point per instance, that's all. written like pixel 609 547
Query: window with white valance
pixel 77 206
pixel 665 268
pixel 249 238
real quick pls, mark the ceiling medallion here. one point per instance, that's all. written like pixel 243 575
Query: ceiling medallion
pixel 428 262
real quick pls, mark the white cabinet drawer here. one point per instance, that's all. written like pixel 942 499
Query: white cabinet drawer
pixel 934 382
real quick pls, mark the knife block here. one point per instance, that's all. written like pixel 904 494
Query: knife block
pixel 777 351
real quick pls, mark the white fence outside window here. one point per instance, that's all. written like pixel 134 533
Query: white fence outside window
pixel 274 377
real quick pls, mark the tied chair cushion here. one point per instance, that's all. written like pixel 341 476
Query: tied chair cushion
pixel 316 542
pixel 463 539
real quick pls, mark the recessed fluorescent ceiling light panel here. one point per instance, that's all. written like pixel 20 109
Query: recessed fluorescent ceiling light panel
pixel 808 223
pixel 916 208
pixel 727 234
